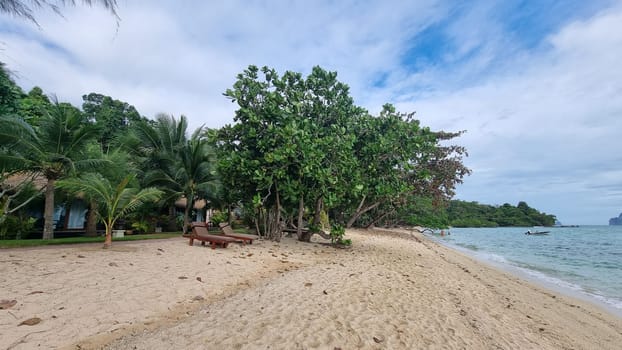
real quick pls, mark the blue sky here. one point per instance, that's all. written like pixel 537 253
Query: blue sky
pixel 536 84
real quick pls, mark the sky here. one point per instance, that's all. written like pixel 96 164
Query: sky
pixel 537 85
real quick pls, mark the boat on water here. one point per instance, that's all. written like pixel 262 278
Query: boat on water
pixel 529 232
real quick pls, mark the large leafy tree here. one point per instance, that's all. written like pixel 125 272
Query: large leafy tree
pixel 112 117
pixel 388 147
pixel 331 115
pixel 10 126
pixel 302 142
pixel 113 200
pixel 258 154
pixel 34 106
pixel 54 149
pixel 290 143
pixel 10 93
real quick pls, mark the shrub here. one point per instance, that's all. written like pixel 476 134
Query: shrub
pixel 218 217
pixel 314 228
pixel 15 227
pixel 336 234
pixel 141 226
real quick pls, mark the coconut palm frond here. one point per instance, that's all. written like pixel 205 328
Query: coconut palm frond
pixel 150 194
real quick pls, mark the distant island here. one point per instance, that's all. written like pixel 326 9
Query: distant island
pixel 616 221
pixel 473 214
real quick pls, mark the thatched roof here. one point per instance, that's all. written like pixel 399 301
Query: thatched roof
pixel 16 179
pixel 200 204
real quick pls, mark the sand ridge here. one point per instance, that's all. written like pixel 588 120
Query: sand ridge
pixel 391 290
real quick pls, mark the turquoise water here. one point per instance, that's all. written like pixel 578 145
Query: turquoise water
pixel 585 261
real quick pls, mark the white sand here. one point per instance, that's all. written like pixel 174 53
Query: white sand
pixel 387 292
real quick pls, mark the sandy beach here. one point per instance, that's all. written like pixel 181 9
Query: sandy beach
pixel 391 290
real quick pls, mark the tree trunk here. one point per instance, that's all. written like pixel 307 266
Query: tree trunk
pixel 374 221
pixel 108 239
pixel 48 214
pixel 305 236
pixel 277 217
pixel 301 210
pixel 172 222
pixel 360 212
pixel 317 216
pixel 91 221
pixel 186 223
pixel 187 211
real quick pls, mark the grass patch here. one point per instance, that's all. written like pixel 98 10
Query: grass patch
pixel 19 243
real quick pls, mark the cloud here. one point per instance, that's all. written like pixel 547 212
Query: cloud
pixel 549 126
pixel 537 86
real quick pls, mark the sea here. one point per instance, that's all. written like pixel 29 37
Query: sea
pixel 584 262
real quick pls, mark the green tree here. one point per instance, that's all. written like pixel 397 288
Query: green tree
pixel 332 117
pixel 388 148
pixel 116 163
pixel 192 175
pixel 112 117
pixel 288 142
pixel 180 166
pixel 113 201
pixel 303 142
pixel 55 149
pixel 34 106
pixel 251 151
pixel 10 93
pixel 15 195
pixel 473 214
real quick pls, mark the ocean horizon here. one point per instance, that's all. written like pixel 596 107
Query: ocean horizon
pixel 583 262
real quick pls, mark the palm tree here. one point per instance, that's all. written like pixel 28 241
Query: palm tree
pixel 55 149
pixel 155 146
pixel 181 167
pixel 118 163
pixel 113 202
pixel 192 175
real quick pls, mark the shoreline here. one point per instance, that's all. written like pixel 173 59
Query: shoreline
pixel 390 290
pixel 532 277
pixel 540 279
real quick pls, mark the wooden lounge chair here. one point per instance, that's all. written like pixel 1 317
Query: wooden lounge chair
pixel 200 233
pixel 198 223
pixel 228 232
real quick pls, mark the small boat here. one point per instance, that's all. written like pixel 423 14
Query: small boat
pixel 529 232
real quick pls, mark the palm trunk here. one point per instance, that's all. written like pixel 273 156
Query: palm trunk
pixel 189 205
pixel 172 223
pixel 108 239
pixel 48 214
pixel 91 221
